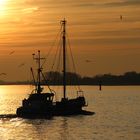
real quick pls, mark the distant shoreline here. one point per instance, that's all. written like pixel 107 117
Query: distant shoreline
pixel 72 84
pixel 127 79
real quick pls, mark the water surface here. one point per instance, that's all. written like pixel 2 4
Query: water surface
pixel 117 115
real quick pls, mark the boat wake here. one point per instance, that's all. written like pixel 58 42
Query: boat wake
pixel 85 112
pixel 8 116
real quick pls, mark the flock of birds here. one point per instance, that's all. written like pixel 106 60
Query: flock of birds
pixel 22 64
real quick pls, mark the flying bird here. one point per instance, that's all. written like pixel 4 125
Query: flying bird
pixel 121 17
pixel 11 52
pixel 3 74
pixel 22 64
pixel 88 61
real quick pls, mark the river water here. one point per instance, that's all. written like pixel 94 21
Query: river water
pixel 117 116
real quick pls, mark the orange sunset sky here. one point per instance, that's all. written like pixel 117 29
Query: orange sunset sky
pixel 95 28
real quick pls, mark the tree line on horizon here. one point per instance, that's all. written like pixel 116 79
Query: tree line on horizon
pixel 128 78
pixel 56 78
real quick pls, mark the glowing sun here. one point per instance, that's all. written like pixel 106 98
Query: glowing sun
pixel 2 2
pixel 2 6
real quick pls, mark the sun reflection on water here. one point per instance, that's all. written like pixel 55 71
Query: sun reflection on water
pixel 3 90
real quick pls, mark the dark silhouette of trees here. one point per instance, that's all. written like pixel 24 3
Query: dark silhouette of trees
pixel 56 78
pixel 1 81
pixel 128 78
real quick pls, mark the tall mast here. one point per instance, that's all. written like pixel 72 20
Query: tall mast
pixel 63 22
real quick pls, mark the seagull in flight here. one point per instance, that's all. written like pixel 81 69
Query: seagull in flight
pixel 121 17
pixel 11 52
pixel 22 64
pixel 3 74
pixel 88 61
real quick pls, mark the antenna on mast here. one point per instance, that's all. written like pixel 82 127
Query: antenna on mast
pixel 39 70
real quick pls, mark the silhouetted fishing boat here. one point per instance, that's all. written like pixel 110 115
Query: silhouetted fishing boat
pixel 40 104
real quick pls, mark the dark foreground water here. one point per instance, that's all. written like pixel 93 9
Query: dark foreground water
pixel 117 116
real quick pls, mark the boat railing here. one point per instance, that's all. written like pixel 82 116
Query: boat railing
pixel 33 91
pixel 80 93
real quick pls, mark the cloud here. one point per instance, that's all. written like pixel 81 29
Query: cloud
pixel 108 41
pixel 60 3
pixel 30 9
pixel 124 3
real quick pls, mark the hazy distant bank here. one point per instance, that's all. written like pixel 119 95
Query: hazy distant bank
pixel 56 78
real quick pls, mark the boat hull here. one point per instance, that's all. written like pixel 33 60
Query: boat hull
pixel 62 108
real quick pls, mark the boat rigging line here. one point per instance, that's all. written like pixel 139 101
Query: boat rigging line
pixel 52 46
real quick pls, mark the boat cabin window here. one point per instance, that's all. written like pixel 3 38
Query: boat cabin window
pixel 50 98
